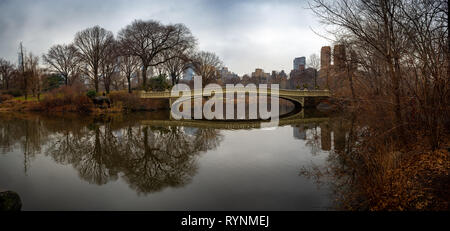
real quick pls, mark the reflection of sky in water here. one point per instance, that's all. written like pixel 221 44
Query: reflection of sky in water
pixel 247 170
pixel 190 131
pixel 285 107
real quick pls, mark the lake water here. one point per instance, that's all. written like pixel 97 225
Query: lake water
pixel 143 161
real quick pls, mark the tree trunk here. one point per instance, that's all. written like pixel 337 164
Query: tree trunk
pixel 107 86
pixel 96 84
pixel 395 78
pixel 393 67
pixel 107 83
pixel 315 79
pixel 144 76
pixel 397 92
pixel 174 79
pixel 96 79
pixel 25 86
pixel 129 83
pixel 350 76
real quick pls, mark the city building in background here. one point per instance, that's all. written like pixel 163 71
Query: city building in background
pixel 299 78
pixel 259 76
pixel 227 76
pixel 299 63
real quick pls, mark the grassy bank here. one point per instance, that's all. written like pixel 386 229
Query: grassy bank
pixel 71 99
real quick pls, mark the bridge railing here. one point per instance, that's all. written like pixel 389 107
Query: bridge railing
pixel 282 92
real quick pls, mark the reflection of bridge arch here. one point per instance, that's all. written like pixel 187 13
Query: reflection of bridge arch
pixel 298 105
pixel 297 118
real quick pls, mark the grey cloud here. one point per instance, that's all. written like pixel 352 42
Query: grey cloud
pixel 245 34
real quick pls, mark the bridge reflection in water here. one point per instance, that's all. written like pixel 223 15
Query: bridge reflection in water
pixel 297 118
pixel 301 121
pixel 300 99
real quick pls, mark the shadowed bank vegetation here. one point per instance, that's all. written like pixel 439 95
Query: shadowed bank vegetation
pixel 367 170
pixel 75 99
pixel 395 87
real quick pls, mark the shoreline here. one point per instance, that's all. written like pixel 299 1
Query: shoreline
pixel 38 107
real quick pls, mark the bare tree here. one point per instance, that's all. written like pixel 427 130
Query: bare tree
pixel 32 74
pixel 6 72
pixel 109 65
pixel 402 49
pixel 92 44
pixel 426 26
pixel 314 62
pixel 129 65
pixel 176 64
pixel 118 80
pixel 206 64
pixel 22 70
pixel 148 39
pixel 63 59
pixel 375 25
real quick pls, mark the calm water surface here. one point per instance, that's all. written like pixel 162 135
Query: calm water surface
pixel 141 161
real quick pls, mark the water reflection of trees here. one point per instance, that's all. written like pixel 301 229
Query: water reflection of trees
pixel 365 172
pixel 315 135
pixel 338 172
pixel 147 158
pixel 26 134
pixel 165 156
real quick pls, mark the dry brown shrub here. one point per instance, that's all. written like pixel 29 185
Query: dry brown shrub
pixel 66 98
pixel 132 102
pixel 5 97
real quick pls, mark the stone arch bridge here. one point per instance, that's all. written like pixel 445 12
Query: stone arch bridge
pixel 303 98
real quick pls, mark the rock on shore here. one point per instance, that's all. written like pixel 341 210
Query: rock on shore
pixel 10 201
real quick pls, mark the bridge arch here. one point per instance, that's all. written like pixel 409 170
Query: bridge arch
pixel 298 103
pixel 297 97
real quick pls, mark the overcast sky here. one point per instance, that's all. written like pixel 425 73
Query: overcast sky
pixel 245 34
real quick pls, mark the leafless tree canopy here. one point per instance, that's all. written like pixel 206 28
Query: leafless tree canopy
pixel 95 55
pixel 63 59
pixel 402 50
pixel 148 39
pixel 110 64
pixel 176 63
pixel 32 74
pixel 93 44
pixel 6 72
pixel 206 65
pixel 128 65
pixel 314 61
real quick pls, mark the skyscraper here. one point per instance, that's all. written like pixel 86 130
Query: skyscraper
pixel 298 62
